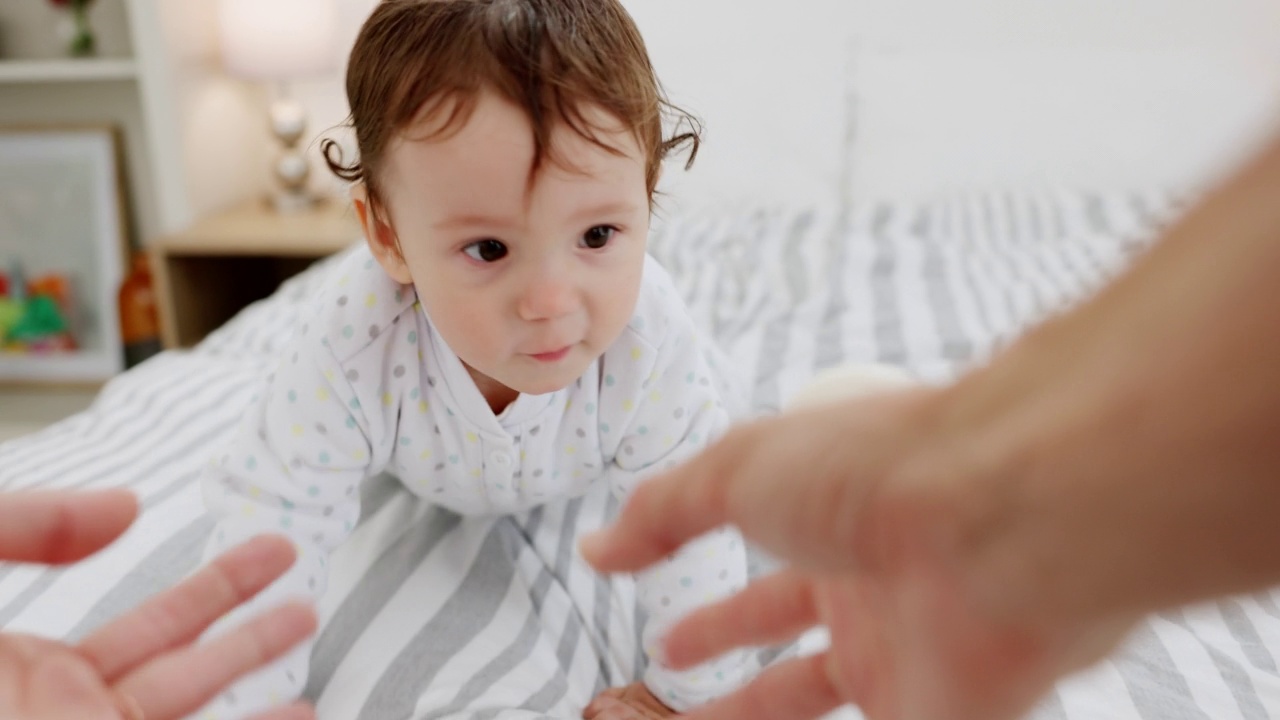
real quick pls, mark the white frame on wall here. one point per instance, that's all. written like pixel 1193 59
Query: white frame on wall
pixel 95 152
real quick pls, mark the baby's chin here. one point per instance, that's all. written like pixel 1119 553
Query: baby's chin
pixel 542 381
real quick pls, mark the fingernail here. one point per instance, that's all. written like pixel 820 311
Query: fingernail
pixel 592 546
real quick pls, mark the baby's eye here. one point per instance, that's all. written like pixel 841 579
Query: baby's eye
pixel 486 250
pixel 598 236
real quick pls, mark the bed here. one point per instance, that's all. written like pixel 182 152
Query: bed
pixel 933 286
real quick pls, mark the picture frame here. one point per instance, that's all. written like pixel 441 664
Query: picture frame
pixel 62 226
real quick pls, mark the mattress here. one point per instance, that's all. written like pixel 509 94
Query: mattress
pixel 431 615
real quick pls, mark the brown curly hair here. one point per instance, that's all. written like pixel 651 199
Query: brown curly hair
pixel 413 58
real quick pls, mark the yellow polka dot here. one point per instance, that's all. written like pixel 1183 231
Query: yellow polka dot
pixel 426 455
pixel 322 394
pixel 577 474
pixel 628 405
pixel 248 510
pixel 707 405
pixel 387 399
pixel 297 430
pixel 475 473
pixel 417 306
pixel 421 356
pixel 423 406
pixel 668 441
pixel 655 396
pixel 344 279
pixel 570 450
pixel 255 492
pixel 371 301
pixel 358 455
pixel 523 455
pixel 328 375
pixel 471 437
pixel 568 403
pixel 636 353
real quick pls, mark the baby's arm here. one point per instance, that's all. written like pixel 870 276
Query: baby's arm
pixel 678 413
pixel 294 468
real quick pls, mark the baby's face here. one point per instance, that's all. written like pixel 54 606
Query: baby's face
pixel 527 283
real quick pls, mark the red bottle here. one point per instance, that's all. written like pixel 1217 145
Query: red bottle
pixel 139 318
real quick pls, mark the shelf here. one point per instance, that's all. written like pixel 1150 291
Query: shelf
pixel 86 70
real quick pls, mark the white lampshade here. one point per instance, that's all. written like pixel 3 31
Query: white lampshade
pixel 277 39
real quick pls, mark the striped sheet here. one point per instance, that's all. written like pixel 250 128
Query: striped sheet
pixel 435 616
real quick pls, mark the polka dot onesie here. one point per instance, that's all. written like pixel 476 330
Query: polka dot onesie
pixel 368 385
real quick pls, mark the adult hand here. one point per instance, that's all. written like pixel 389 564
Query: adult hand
pixel 143 665
pixel 630 702
pixel 876 534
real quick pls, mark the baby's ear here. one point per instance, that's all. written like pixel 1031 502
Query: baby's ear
pixel 380 236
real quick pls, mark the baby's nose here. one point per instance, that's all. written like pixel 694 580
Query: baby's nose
pixel 549 297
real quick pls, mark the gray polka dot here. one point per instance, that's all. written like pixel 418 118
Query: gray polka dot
pixel 399 371
pixel 679 413
pixel 517 474
pixel 328 511
pixel 342 301
pixel 295 358
pixel 352 375
pixel 436 429
pixel 230 697
pixel 537 473
pixel 262 435
pixel 292 678
pixel 439 467
pixel 318 538
pixel 582 433
pixel 295 463
pixel 629 450
pixel 534 430
pixel 373 331
pixel 305 328
pixel 704 382
pixel 724 574
pixel 666 602
pixel 351 491
pixel 431 382
pixel 515 439
pixel 311 582
pixel 320 428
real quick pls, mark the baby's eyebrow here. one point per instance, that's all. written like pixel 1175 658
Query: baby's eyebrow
pixel 609 208
pixel 468 220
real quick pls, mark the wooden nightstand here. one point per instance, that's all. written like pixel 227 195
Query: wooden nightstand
pixel 208 273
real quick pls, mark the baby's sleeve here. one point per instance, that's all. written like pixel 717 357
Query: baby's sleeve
pixel 293 467
pixel 676 414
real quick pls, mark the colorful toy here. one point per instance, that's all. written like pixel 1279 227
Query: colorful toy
pixel 33 315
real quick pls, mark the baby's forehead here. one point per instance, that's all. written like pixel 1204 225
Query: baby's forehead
pixel 491 135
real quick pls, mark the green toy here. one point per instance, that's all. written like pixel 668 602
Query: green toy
pixel 42 319
pixel 11 312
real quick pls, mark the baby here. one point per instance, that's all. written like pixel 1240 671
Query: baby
pixel 504 341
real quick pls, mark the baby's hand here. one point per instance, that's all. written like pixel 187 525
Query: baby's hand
pixel 633 702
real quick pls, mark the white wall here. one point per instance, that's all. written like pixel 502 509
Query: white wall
pixel 1085 92
pixel 939 93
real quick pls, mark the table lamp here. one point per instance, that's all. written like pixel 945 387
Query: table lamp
pixel 280 41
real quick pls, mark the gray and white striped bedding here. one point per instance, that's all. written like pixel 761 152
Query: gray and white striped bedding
pixel 528 631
